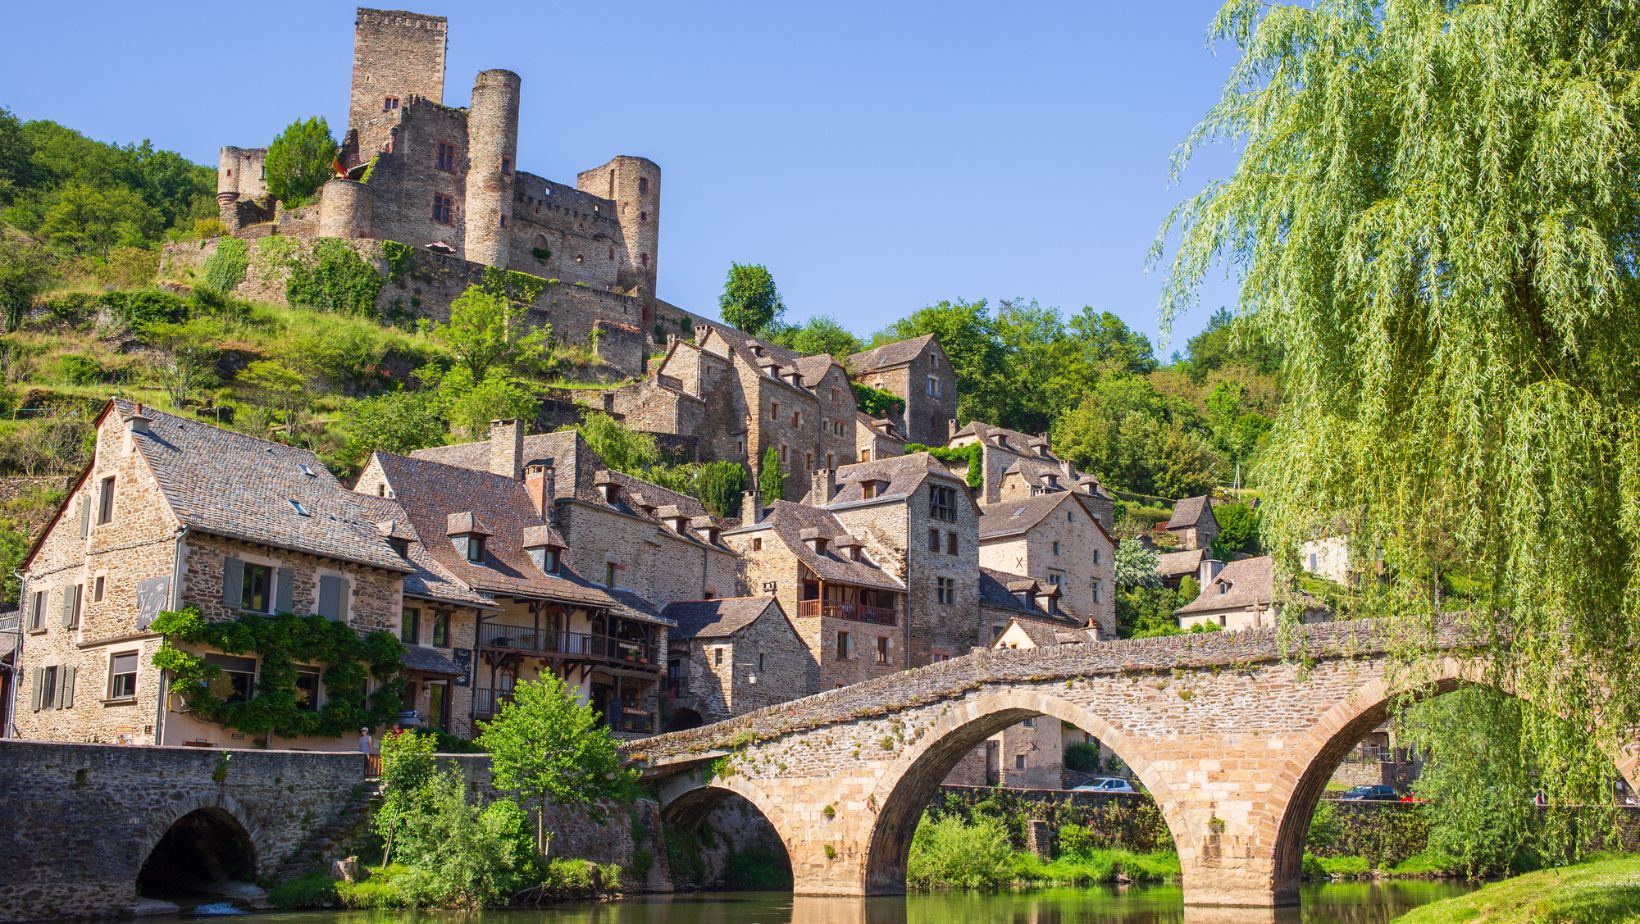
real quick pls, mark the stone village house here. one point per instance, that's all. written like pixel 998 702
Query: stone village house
pixel 733 655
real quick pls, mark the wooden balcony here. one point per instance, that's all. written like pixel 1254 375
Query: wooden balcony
pixel 487 702
pixel 856 612
pixel 577 645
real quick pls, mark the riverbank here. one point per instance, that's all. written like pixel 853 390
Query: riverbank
pixel 1601 892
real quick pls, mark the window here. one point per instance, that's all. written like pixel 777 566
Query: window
pixel 757 543
pixel 549 561
pixel 842 646
pixel 942 503
pixel 717 655
pixel 609 574
pixel 933 540
pixel 1223 588
pixel 446 159
pixel 945 590
pixel 410 626
pixel 37 610
pixel 475 549
pixel 1096 556
pixel 237 677
pixel 296 505
pixel 774 410
pixel 882 650
pixel 45 688
pixel 441 629
pixel 951 543
pixel 105 501
pixel 643 258
pixel 390 103
pixel 643 185
pixel 256 588
pixel 933 387
pixel 868 489
pixel 97 588
pixel 332 597
pixel 1055 577
pixel 71 606
pixel 442 207
pixel 797 418
pixel 122 675
pixel 1019 761
pixel 1056 546
pixel 1030 722
pixel 307 688
pixel 506 166
pixel 760 662
pixel 1096 590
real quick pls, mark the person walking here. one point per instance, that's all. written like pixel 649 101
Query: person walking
pixel 366 745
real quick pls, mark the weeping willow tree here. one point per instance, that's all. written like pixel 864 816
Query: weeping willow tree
pixel 1435 214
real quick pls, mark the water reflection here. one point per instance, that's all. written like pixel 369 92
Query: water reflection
pixel 1341 903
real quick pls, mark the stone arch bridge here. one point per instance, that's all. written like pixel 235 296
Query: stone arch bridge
pixel 1235 734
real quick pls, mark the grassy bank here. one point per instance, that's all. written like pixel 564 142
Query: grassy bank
pixel 956 853
pixel 1601 892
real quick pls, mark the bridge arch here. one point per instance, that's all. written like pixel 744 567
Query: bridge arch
pixel 688 803
pixel 1320 750
pixel 200 846
pixel 902 795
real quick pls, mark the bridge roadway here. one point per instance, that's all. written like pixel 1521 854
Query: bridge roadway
pixel 1235 734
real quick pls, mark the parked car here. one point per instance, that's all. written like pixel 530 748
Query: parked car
pixel 1378 793
pixel 1106 784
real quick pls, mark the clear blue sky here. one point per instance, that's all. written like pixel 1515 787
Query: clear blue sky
pixel 875 156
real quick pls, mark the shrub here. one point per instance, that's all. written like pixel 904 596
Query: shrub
pixel 72 308
pixel 1083 757
pixel 720 487
pixel 299 160
pixel 225 269
pixel 146 308
pixel 333 277
pixel 877 402
pixel 310 892
pixel 1075 840
pixel 78 369
pixel 950 853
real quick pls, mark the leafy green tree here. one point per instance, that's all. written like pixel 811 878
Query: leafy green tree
pixel 488 330
pixel 24 271
pixel 750 300
pixel 967 333
pixel 1184 464
pixel 16 157
pixel 408 765
pixel 470 406
pixel 300 160
pixel 721 487
pixel 1135 565
pixel 1226 340
pixel 1238 531
pixel 462 853
pixel 552 749
pixel 1146 612
pixel 771 478
pixel 1108 346
pixel 340 358
pixel 188 351
pixel 399 422
pixel 281 392
pixel 89 220
pixel 14 545
pixel 1434 212
pixel 621 449
pixel 819 334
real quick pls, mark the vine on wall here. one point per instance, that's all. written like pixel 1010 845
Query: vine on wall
pixel 282 642
pixel 333 277
pixel 968 455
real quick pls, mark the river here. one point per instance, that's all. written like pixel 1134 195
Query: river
pixel 1334 903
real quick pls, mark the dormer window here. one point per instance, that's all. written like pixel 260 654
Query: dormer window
pixel 1223 588
pixel 401 547
pixel 475 549
pixel 468 534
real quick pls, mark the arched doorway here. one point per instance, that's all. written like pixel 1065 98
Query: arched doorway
pixel 683 718
pixel 719 839
pixel 908 794
pixel 203 847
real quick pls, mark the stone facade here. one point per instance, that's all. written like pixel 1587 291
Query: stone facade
pixel 1055 539
pixel 734 664
pixel 920 374
pixel 1234 742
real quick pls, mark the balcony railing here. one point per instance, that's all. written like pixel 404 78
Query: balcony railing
pixel 858 612
pixel 486 701
pixel 568 644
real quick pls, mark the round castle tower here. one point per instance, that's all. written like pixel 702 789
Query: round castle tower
pixel 492 155
pixel 344 209
pixel 635 185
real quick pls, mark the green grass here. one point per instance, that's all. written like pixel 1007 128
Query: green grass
pixel 1600 892
pixel 1095 866
pixel 313 891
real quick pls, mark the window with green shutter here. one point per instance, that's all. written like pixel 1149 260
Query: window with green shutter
pixel 71 606
pixel 66 699
pixel 332 597
pixel 233 577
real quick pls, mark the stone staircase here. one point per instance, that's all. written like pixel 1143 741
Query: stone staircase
pixel 322 843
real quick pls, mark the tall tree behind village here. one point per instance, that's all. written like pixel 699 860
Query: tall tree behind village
pixel 1435 215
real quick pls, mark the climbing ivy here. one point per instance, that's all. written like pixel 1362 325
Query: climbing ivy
pixel 400 260
pixel 333 277
pixel 877 402
pixel 519 287
pixel 225 269
pixel 969 455
pixel 282 642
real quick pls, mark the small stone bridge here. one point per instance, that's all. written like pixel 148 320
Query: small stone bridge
pixel 1235 734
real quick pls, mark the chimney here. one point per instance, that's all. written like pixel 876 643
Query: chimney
pixel 540 482
pixel 822 486
pixel 139 419
pixel 950 429
pixel 1209 570
pixel 507 447
pixel 751 510
pixel 1068 469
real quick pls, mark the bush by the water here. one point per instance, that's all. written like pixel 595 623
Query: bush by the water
pixel 950 852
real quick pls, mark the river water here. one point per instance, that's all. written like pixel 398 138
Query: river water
pixel 1335 903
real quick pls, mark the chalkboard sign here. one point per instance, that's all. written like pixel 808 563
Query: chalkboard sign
pixel 153 596
pixel 464 660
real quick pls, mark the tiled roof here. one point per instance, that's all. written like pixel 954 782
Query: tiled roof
pixel 238 486
pixel 992 435
pixel 813 369
pixel 884 428
pixel 716 618
pixel 1242 584
pixel 430 491
pixel 1017 516
pixel 994 592
pixel 429 661
pixel 1190 511
pixel 429 580
pixel 789 520
pixel 631 606
pixel 889 354
pixel 902 476
pixel 1174 564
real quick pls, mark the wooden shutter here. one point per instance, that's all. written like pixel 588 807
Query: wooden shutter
pixel 31 610
pixel 68 607
pixel 66 701
pixel 85 514
pixel 284 595
pixel 330 595
pixel 342 586
pixel 39 682
pixel 233 582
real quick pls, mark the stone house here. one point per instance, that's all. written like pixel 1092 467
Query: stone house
pixel 1015 465
pixel 496 536
pixel 1193 523
pixel 1176 566
pixel 920 374
pixel 1327 556
pixel 1241 595
pixel 876 439
pixel 732 655
pixel 1055 539
pixel 173 513
pixel 851 610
